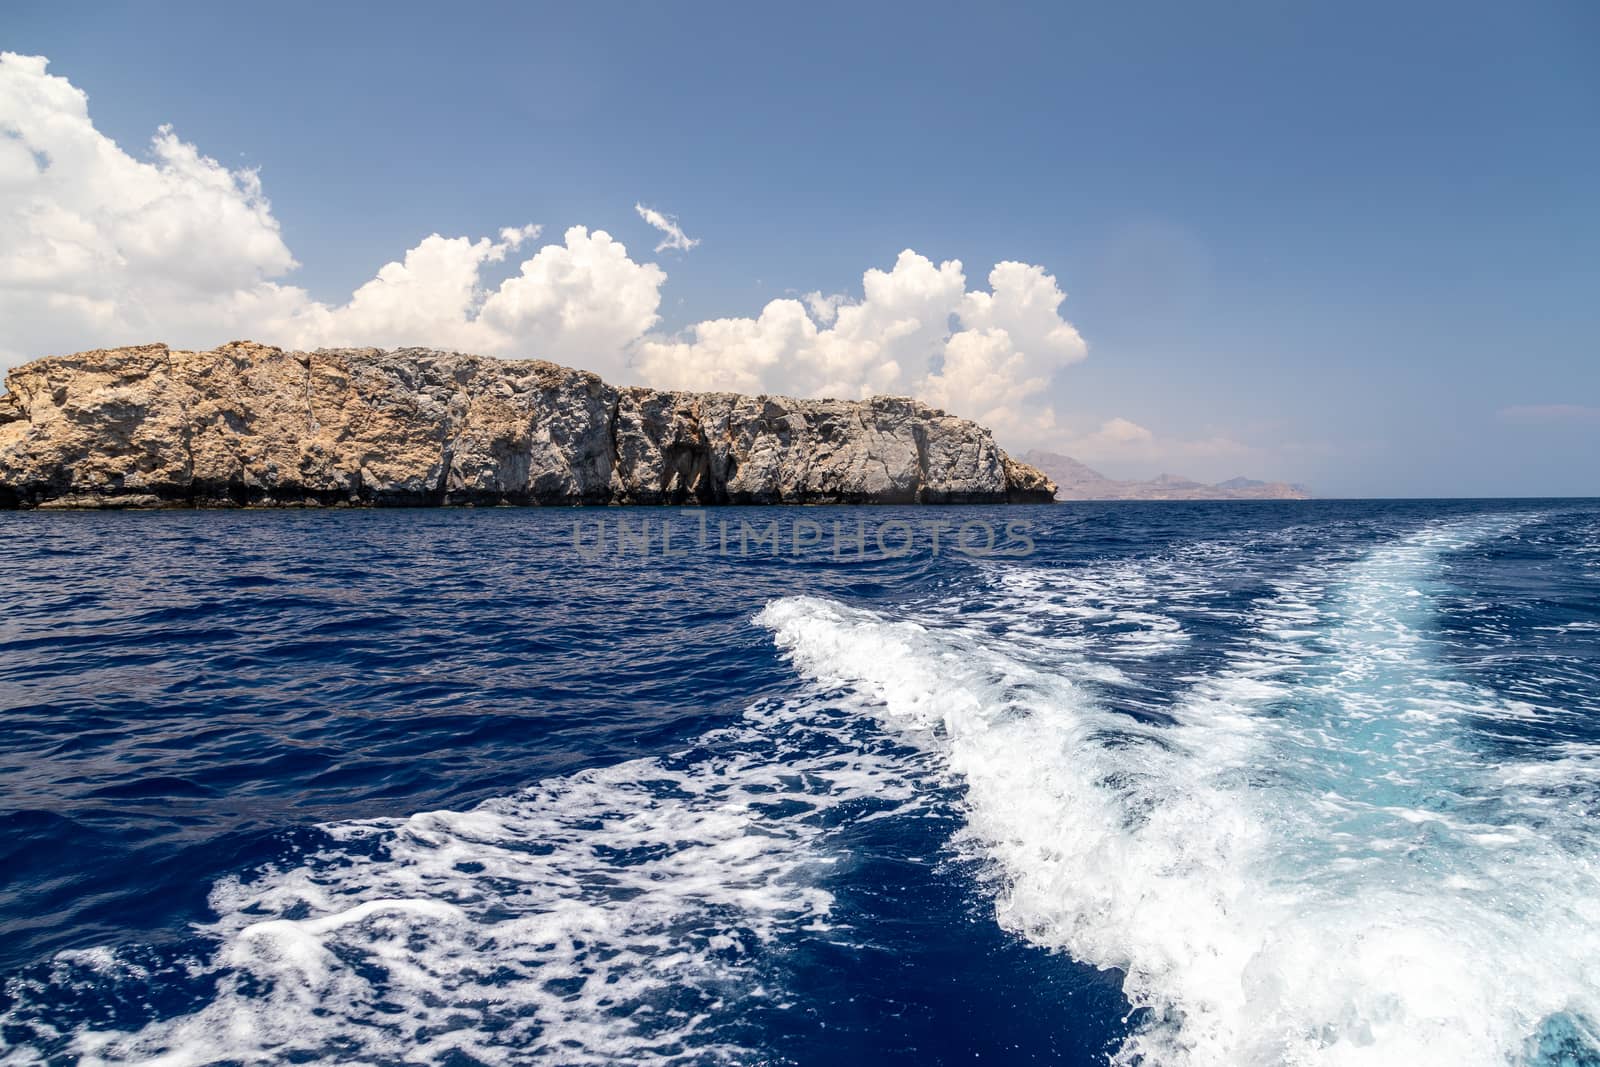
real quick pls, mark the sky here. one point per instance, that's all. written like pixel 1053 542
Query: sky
pixel 1351 245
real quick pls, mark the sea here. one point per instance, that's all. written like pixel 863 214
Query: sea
pixel 1190 784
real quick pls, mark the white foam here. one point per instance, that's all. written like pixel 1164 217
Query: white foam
pixel 1311 864
pixel 1314 866
pixel 1118 609
pixel 1568 764
pixel 625 914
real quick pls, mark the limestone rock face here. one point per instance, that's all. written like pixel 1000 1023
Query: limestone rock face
pixel 251 424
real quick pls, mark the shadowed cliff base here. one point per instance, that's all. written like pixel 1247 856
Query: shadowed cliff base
pixel 252 425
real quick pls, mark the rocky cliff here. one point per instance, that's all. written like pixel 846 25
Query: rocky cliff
pixel 251 424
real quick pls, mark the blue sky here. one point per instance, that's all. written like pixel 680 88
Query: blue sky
pixel 1360 242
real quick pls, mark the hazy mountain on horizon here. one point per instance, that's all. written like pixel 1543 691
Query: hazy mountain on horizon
pixel 1078 481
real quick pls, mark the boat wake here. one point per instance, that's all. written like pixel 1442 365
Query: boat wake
pixel 1312 863
pixel 627 914
pixel 1310 857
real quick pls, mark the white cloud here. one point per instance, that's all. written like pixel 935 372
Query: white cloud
pixel 582 302
pixel 111 246
pixel 98 247
pixel 675 240
pixel 825 308
pixel 988 355
pixel 429 296
pixel 1015 340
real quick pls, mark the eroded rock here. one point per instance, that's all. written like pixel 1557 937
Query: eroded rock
pixel 249 424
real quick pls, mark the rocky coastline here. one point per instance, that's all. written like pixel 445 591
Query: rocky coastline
pixel 251 425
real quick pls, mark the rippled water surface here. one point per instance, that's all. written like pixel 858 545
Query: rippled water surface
pixel 1193 784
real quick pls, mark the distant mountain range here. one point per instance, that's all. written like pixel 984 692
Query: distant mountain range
pixel 1076 481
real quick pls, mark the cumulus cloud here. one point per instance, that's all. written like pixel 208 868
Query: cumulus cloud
pixel 109 246
pixel 582 302
pixel 824 308
pixel 431 293
pixel 99 247
pixel 675 240
pixel 988 355
pixel 1014 340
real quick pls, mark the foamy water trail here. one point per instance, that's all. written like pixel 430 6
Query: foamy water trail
pixel 1315 865
pixel 1306 858
pixel 630 914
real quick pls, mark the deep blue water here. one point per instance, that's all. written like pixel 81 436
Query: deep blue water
pixel 1221 784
